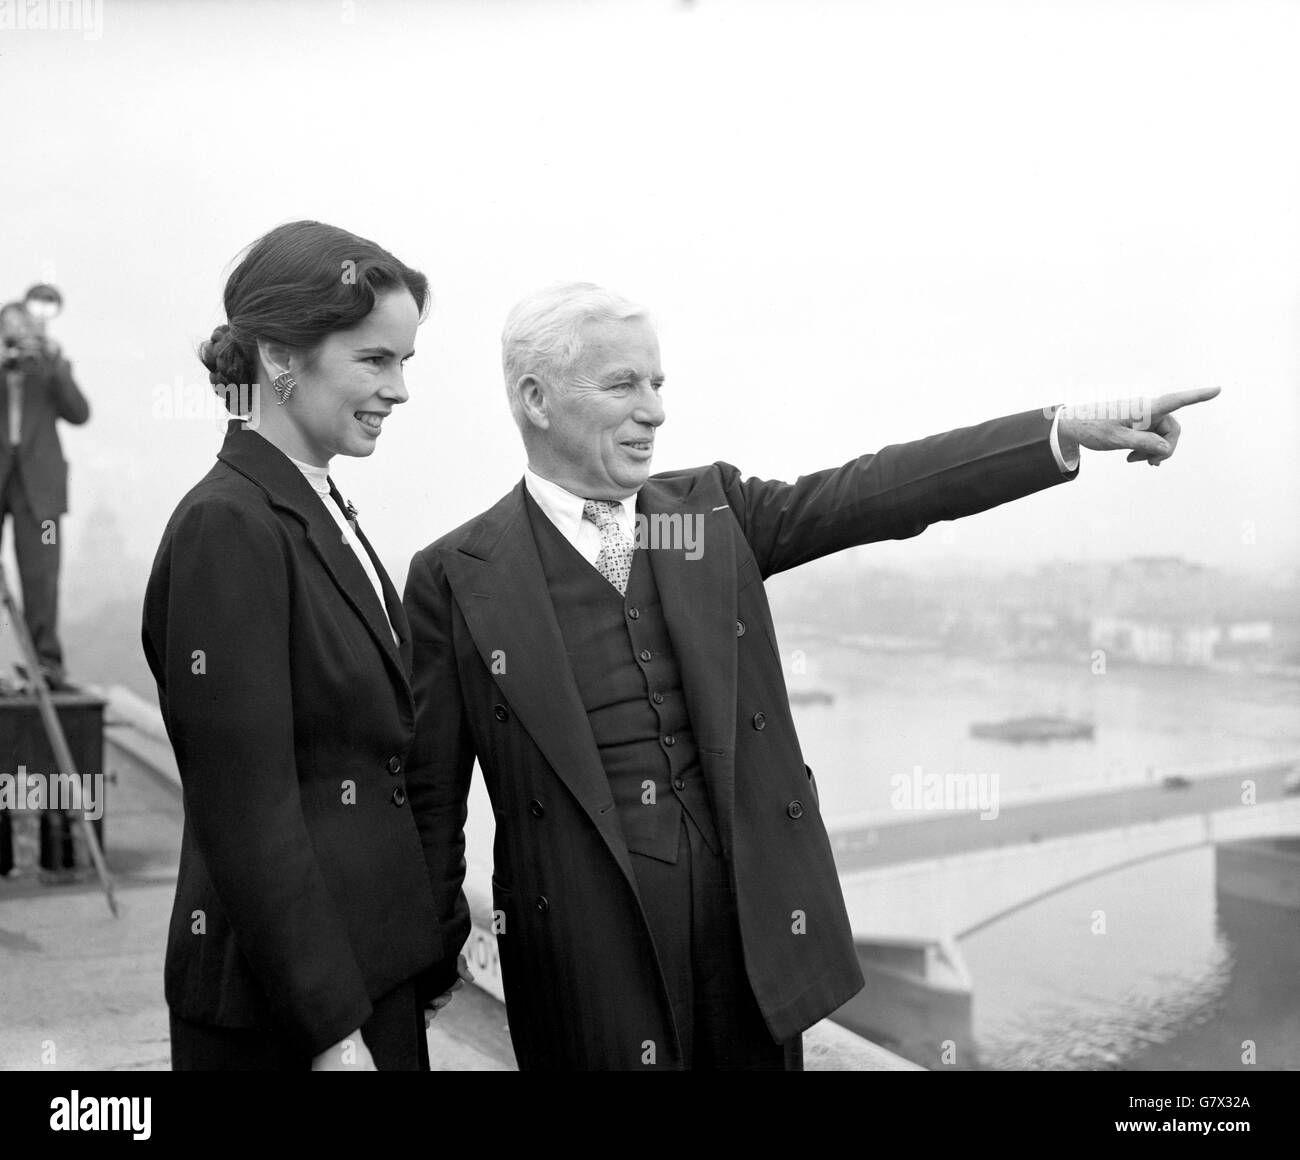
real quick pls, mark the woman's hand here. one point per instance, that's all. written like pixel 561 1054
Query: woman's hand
pixel 436 1005
pixel 348 1054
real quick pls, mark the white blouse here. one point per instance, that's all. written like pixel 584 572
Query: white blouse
pixel 318 477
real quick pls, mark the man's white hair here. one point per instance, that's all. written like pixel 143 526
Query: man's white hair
pixel 543 332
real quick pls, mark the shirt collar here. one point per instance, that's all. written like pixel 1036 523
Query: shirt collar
pixel 318 477
pixel 564 509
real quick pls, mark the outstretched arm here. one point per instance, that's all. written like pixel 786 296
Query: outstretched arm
pixel 902 489
pixel 895 493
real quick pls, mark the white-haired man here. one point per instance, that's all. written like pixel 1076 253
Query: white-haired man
pixel 600 640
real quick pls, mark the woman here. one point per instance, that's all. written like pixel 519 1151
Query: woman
pixel 305 931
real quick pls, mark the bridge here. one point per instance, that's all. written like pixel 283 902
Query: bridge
pixel 916 882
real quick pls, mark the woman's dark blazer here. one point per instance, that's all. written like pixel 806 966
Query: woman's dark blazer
pixel 303 892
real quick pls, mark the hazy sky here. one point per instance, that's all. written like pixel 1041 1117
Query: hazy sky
pixel 856 224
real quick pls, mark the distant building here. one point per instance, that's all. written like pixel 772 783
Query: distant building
pixel 1251 632
pixel 1156 640
pixel 99 569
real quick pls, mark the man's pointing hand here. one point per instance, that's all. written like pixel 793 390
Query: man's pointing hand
pixel 1145 427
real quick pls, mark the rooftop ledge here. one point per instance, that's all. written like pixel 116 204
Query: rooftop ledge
pixel 470 1034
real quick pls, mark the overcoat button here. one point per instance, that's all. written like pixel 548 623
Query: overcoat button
pixel 536 808
pixel 740 628
pixel 795 809
pixel 500 712
pixel 394 765
pixel 399 796
pixel 760 722
pixel 543 903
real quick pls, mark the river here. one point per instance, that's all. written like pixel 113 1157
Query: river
pixel 1177 981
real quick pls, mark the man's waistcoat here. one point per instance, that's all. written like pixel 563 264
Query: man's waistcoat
pixel 622 659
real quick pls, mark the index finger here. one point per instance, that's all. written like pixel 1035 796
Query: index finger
pixel 1175 399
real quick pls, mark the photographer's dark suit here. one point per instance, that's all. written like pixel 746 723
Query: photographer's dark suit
pixel 34 485
pixel 593 911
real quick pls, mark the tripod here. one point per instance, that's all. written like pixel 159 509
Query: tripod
pixel 54 730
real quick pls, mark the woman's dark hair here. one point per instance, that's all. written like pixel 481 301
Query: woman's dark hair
pixel 297 285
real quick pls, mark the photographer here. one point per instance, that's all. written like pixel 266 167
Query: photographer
pixel 36 389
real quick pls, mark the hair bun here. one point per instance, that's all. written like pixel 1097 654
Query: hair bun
pixel 226 358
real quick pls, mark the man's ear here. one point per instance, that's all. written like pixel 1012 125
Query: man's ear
pixel 275 356
pixel 532 398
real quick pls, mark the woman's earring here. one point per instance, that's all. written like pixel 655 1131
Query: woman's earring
pixel 284 385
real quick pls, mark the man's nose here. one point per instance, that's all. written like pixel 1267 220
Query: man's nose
pixel 649 408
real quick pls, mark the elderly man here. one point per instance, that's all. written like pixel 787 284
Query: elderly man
pixel 664 892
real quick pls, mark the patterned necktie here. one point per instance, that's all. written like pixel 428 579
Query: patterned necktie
pixel 615 559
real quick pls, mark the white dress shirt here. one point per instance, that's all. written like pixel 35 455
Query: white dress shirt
pixel 1055 441
pixel 318 477
pixel 564 510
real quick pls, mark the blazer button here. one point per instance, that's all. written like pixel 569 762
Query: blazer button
pixel 679 783
pixel 670 740
pixel 760 722
pixel 394 765
pixel 740 628
pixel 399 796
pixel 500 712
pixel 543 903
pixel 645 654
pixel 795 809
pixel 657 698
pixel 634 614
pixel 536 808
